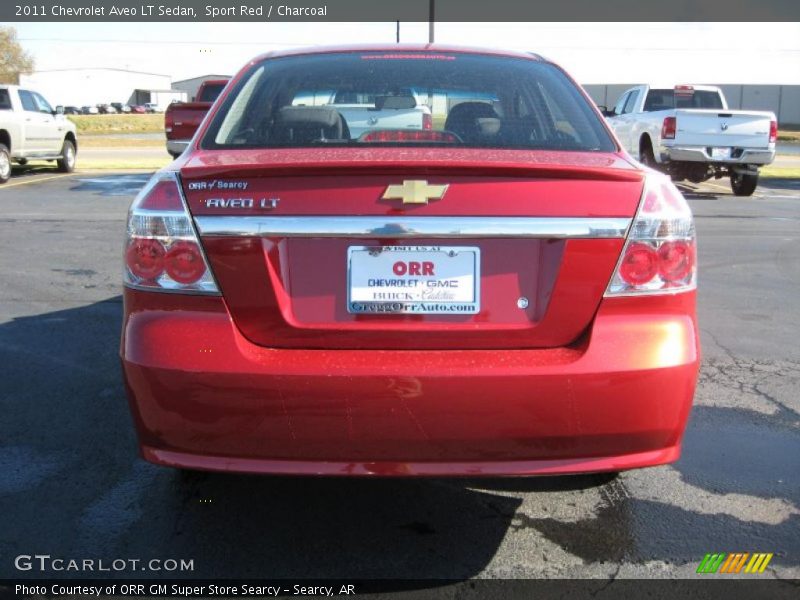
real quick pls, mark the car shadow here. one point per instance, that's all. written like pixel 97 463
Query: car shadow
pixel 125 184
pixel 72 484
pixel 691 192
pixel 34 168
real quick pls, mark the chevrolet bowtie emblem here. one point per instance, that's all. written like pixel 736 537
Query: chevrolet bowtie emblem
pixel 415 191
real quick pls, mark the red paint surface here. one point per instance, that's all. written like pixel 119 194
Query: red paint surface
pixel 203 396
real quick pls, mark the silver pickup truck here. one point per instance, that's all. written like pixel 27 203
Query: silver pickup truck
pixel 30 129
pixel 689 132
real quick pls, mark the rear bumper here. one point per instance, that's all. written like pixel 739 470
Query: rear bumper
pixel 742 156
pixel 204 397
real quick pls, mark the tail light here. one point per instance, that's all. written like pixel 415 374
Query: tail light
pixel 773 131
pixel 668 128
pixel 427 121
pixel 660 253
pixel 168 121
pixel 162 251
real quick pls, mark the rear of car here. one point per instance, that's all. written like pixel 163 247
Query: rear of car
pixel 689 132
pixel 504 293
pixel 701 128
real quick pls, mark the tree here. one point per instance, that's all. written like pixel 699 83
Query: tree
pixel 14 61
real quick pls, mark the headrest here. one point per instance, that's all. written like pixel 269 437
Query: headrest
pixel 321 116
pixel 488 125
pixel 472 110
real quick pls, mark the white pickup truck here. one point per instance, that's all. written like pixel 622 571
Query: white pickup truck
pixel 31 130
pixel 363 112
pixel 690 133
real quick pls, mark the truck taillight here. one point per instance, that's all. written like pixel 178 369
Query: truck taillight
pixel 773 131
pixel 427 121
pixel 168 121
pixel 659 256
pixel 668 128
pixel 162 250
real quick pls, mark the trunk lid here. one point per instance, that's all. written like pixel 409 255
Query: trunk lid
pixel 722 128
pixel 293 236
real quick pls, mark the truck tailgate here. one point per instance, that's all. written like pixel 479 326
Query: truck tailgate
pixel 182 120
pixel 739 129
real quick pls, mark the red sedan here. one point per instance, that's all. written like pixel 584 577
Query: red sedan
pixel 409 260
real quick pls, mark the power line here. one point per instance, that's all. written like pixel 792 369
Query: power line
pixel 593 48
pixel 118 41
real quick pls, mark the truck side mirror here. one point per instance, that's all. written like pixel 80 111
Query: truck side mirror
pixel 59 110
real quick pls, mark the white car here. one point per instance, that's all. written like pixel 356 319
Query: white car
pixel 689 132
pixel 31 130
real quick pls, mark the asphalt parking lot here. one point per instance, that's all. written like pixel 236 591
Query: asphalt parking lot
pixel 71 484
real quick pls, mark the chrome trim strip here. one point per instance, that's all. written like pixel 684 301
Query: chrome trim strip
pixel 160 290
pixel 410 227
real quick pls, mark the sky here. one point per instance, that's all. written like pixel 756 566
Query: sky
pixel 757 53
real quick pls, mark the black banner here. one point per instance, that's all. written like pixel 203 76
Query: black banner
pixel 708 588
pixel 397 10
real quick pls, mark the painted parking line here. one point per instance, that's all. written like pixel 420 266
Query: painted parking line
pixel 78 173
pixel 37 180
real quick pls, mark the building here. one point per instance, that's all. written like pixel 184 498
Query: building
pixel 161 98
pixel 91 86
pixel 190 86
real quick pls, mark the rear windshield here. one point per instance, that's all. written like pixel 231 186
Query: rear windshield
pixel 408 98
pixel 210 92
pixel 667 99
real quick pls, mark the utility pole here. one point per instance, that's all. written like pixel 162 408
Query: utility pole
pixel 431 13
pixel 398 32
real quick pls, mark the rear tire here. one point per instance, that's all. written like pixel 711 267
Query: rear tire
pixel 66 164
pixel 743 185
pixel 646 156
pixel 174 154
pixel 5 163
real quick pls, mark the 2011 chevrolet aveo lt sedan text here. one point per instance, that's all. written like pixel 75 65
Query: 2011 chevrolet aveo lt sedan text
pixel 408 260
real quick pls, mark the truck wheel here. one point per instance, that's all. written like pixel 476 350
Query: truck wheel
pixel 743 185
pixel 5 164
pixel 66 164
pixel 174 154
pixel 646 156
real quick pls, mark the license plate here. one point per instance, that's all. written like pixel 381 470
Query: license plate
pixel 413 279
pixel 720 153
